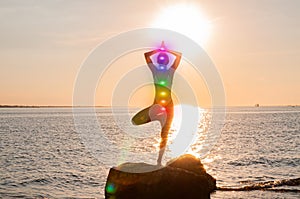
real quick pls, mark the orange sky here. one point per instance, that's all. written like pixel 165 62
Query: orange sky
pixel 254 44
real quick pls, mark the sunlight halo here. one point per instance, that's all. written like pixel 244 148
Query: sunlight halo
pixel 186 19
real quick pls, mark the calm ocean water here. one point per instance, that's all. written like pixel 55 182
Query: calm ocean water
pixel 44 155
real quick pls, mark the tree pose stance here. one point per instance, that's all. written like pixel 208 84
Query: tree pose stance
pixel 162 63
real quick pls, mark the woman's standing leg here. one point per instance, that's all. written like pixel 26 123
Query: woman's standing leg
pixel 164 133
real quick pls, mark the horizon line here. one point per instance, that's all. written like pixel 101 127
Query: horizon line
pixel 107 106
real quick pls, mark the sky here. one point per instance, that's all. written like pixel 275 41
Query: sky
pixel 254 44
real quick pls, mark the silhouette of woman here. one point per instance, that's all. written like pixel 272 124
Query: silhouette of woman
pixel 162 63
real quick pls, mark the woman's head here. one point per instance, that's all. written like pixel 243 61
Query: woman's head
pixel 163 59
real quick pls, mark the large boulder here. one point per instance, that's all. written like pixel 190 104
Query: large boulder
pixel 184 177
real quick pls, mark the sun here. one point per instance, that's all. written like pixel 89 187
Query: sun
pixel 186 19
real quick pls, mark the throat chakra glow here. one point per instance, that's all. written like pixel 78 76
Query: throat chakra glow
pixel 162 67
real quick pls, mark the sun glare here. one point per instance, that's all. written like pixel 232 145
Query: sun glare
pixel 186 19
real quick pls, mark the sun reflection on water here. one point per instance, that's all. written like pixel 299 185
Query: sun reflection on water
pixel 190 139
pixel 191 133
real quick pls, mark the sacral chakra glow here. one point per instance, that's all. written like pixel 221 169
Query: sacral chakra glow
pixel 163 101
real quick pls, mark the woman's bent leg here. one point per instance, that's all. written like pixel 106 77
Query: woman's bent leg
pixel 141 117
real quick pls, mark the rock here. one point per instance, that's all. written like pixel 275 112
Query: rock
pixel 184 177
pixel 193 164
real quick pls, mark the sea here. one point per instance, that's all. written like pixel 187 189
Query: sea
pixel 50 153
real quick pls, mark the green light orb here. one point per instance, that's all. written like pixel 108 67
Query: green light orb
pixel 110 188
pixel 162 82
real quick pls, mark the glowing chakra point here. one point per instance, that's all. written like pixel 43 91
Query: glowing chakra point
pixel 163 101
pixel 162 83
pixel 163 93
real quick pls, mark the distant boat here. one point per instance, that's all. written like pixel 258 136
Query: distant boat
pixel 256 105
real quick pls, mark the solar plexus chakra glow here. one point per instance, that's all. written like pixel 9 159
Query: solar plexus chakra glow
pixel 163 93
